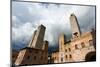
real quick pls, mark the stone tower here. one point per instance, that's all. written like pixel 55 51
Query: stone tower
pixel 30 44
pixel 37 50
pixel 61 48
pixel 61 42
pixel 37 39
pixel 74 26
pixel 45 45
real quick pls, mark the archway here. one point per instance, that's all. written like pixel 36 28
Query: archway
pixel 91 56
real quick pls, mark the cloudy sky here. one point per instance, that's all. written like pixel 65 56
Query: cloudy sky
pixel 27 16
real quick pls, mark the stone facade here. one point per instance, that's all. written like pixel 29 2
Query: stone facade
pixel 81 47
pixel 37 50
pixel 30 56
pixel 14 56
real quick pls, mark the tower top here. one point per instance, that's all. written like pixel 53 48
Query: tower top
pixel 72 14
pixel 38 37
pixel 74 26
pixel 41 26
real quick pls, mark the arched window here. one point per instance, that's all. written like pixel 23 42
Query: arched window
pixel 66 56
pixel 75 34
pixel 61 59
pixel 82 44
pixel 76 47
pixel 65 50
pixel 69 49
pixel 70 56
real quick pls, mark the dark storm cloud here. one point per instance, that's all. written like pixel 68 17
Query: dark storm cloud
pixel 87 21
pixel 21 11
pixel 26 17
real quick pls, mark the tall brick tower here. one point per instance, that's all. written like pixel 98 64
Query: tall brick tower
pixel 37 40
pixel 30 44
pixel 61 42
pixel 37 50
pixel 61 48
pixel 75 26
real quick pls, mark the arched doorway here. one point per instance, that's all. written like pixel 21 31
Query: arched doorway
pixel 91 56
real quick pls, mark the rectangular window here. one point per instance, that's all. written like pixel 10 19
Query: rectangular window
pixel 65 50
pixel 66 56
pixel 34 57
pixel 61 59
pixel 76 47
pixel 69 49
pixel 70 56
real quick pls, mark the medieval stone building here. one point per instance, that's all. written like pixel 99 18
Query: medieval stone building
pixel 81 47
pixel 37 50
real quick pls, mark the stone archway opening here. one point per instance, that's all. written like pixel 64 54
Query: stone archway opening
pixel 91 56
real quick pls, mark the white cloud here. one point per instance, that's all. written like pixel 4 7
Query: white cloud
pixel 22 33
pixel 15 21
